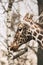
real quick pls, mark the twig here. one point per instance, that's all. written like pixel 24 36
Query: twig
pixel 20 53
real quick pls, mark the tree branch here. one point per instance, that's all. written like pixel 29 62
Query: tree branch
pixel 20 53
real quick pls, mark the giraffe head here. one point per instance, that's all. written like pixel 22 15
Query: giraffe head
pixel 23 35
pixel 26 31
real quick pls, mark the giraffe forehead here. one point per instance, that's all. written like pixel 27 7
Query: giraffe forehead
pixel 24 25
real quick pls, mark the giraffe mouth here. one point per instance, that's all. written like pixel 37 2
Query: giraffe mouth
pixel 14 46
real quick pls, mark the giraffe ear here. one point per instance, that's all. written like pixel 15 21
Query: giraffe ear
pixel 40 25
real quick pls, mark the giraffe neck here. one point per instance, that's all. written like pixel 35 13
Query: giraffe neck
pixel 36 29
pixel 37 33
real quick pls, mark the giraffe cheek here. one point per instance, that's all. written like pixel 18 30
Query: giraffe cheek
pixel 29 38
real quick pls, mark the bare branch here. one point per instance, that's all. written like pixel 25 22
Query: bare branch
pixel 20 53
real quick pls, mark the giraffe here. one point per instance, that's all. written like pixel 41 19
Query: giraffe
pixel 28 30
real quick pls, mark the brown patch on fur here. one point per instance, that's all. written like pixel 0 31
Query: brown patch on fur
pixel 37 31
pixel 42 41
pixel 40 37
pixel 41 32
pixel 34 33
pixel 35 26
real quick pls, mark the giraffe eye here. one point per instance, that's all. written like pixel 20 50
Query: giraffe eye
pixel 19 29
